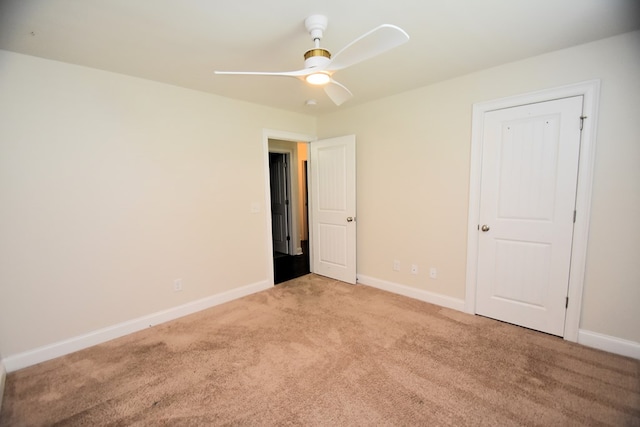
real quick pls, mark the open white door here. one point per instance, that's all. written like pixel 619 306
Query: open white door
pixel 333 207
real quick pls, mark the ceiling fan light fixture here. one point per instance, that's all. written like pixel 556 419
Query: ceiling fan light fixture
pixel 318 79
pixel 319 66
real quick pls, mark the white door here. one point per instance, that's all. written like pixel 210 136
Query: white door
pixel 527 202
pixel 333 207
pixel 279 202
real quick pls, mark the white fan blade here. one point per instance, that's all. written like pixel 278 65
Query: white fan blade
pixel 298 73
pixel 337 92
pixel 371 44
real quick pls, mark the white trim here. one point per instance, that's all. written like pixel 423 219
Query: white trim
pixel 407 291
pixel 3 377
pixel 590 90
pixel 609 343
pixel 48 352
pixel 268 134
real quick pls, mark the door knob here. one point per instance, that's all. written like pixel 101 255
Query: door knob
pixel 349 219
pixel 485 228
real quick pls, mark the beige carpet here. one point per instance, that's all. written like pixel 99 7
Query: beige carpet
pixel 314 351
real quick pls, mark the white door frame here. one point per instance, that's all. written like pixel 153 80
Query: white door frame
pixel 590 90
pixel 268 134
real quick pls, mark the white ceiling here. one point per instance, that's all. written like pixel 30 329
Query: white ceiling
pixel 181 42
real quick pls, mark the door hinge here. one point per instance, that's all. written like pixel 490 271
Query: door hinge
pixel 582 121
pixel 566 304
pixel 286 202
pixel 288 238
pixel 575 213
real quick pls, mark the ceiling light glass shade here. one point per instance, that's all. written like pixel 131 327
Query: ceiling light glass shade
pixel 318 78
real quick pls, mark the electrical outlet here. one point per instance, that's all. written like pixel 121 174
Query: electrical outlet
pixel 433 273
pixel 177 285
pixel 396 265
pixel 414 269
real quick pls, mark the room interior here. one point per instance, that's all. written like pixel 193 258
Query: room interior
pixel 135 184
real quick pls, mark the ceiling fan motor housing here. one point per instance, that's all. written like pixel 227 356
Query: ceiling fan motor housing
pixel 317 58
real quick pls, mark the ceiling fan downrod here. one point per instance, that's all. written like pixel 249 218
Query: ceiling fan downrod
pixel 316 57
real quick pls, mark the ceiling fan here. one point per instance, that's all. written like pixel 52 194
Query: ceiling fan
pixel 319 66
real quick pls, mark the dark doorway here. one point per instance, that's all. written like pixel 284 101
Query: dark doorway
pixel 280 183
pixel 288 262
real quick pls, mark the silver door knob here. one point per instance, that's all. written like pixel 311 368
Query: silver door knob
pixel 349 219
pixel 485 228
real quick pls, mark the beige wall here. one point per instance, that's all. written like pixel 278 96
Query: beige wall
pixel 413 176
pixel 111 187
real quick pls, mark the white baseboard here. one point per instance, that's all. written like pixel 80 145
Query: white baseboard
pixel 3 377
pixel 609 343
pixel 587 338
pixel 42 354
pixel 407 291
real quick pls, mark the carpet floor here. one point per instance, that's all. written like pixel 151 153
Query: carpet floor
pixel 314 351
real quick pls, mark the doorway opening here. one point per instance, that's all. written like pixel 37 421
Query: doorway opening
pixel 289 209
